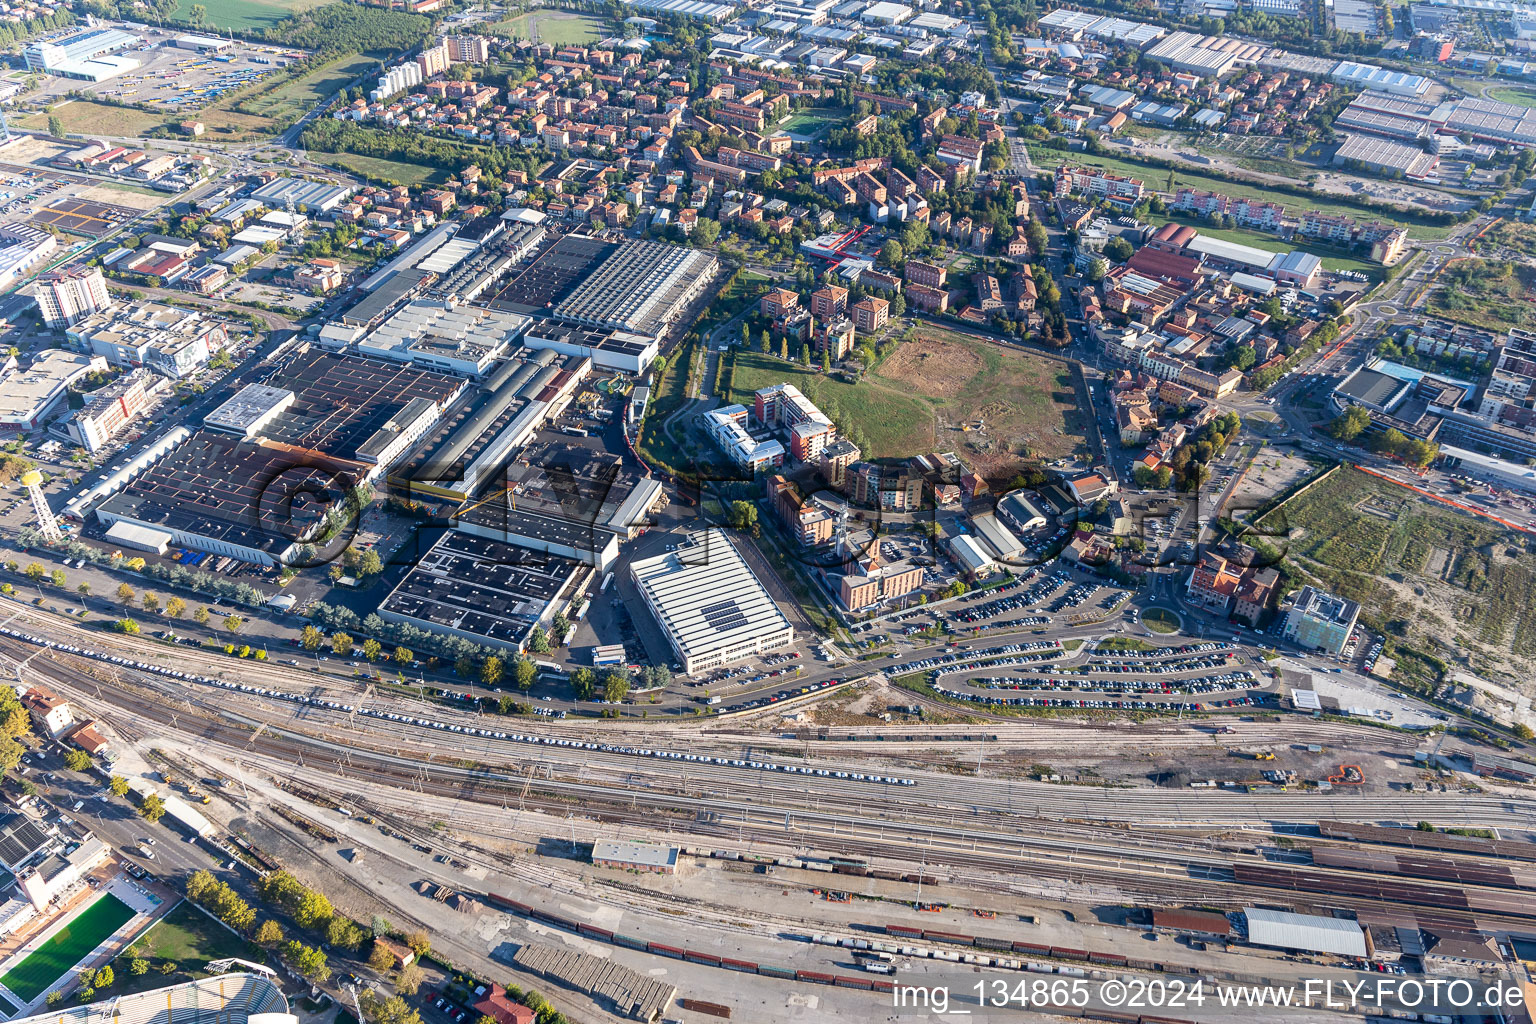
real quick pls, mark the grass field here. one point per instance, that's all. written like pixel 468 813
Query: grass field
pixel 296 98
pixel 1157 177
pixel 893 422
pixel 1333 259
pixel 1514 94
pixel 1486 293
pixel 31 978
pixel 245 14
pixel 813 120
pixel 87 118
pixel 1160 620
pixel 1441 579
pixel 1027 402
pixel 1512 234
pixel 397 171
pixel 187 936
pixel 560 28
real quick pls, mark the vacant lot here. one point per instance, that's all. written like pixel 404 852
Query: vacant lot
pixel 1511 234
pixel 1447 581
pixel 293 99
pixel 385 171
pixel 559 28
pixel 82 117
pixel 1157 177
pixel 998 402
pixel 245 14
pixel 89 929
pixel 1514 94
pixel 1487 294
pixel 892 422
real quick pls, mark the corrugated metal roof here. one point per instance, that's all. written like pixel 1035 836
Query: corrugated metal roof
pixel 1308 932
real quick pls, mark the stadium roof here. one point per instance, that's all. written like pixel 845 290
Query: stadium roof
pixel 239 998
pixel 1307 932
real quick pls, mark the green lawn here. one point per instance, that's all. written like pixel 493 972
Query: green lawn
pixel 297 97
pixel 191 938
pixel 813 120
pixel 245 14
pixel 50 961
pixel 396 171
pixel 559 28
pixel 1160 620
pixel 895 424
pixel 1157 178
pixel 1514 94
pixel 1333 257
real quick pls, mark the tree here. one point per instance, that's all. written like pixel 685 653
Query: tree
pixel 491 670
pixel 372 649
pixel 78 761
pixel 198 15
pixel 370 564
pixel 583 682
pixel 419 943
pixel 538 640
pixel 312 910
pixel 10 755
pixel 125 593
pixel 559 628
pixel 743 516
pixel 201 616
pixel 341 644
pixel 1118 249
pixel 151 602
pixel 523 673
pixel 1523 732
pixel 409 982
pixel 55 127
pixel 307 960
pixel 616 684
pixel 175 607
pixel 118 785
pixel 269 935
pixel 138 966
pixel 153 808
pixel 1164 477
pixel 126 626
pixel 105 976
pixel 1350 424
pixel 57 578
pixel 233 623
pixel 310 638
pixel 891 253
pixel 404 656
pixel 344 935
pixel 380 959
pixel 85 587
pixel 394 1010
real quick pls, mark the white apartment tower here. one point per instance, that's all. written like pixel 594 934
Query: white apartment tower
pixel 65 297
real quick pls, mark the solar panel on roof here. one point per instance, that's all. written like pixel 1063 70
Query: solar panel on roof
pixel 723 615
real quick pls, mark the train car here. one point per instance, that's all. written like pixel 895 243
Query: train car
pixel 818 977
pixel 661 950
pixel 843 981
pixel 1113 959
pixel 956 938
pixel 694 956
pixel 850 861
pixel 880 985
pixel 497 900
pixel 904 930
pixel 769 971
pixel 1032 948
pixel 746 966
pixel 1067 953
pixel 592 931
pixel 856 870
pixel 629 940
pixel 987 942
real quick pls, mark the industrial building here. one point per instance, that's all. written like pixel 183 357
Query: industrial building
pixel 608 349
pixel 567 500
pixel 641 288
pixel 1320 621
pixel 476 435
pixel 1021 509
pixel 230 496
pixel 88 55
pixel 709 604
pixel 30 397
pixel 484 590
pixel 1367 76
pixel 971 556
pixel 311 197
pixel 1304 933
pixel 445 336
pixel 1384 156
pixel 367 411
pixel 629 855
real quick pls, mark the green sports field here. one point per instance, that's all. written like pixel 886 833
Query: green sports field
pixel 50 961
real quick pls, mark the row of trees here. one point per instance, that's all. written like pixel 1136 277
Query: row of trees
pixel 1354 423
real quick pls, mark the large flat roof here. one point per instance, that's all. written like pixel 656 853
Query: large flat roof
pixel 1372 387
pixel 472 584
pixel 706 597
pixel 1308 932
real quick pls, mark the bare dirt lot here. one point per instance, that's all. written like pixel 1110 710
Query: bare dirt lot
pixel 1274 471
pixel 997 402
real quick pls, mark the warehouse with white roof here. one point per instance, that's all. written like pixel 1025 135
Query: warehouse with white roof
pixel 709 604
pixel 1305 933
